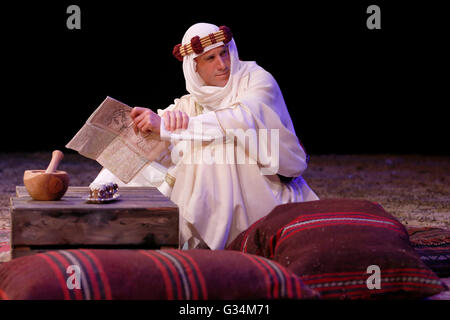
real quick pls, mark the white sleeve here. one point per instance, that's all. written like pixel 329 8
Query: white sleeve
pixel 204 127
pixel 151 175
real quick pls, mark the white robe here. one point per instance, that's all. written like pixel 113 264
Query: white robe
pixel 217 201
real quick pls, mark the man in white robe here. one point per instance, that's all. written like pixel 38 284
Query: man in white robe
pixel 220 183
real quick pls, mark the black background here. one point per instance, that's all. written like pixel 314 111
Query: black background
pixel 348 89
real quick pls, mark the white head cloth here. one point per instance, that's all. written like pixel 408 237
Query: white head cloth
pixel 212 97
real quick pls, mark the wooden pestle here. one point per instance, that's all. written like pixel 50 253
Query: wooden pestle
pixel 57 156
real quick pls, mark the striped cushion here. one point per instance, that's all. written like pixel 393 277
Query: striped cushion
pixel 334 245
pixel 148 274
pixel 433 246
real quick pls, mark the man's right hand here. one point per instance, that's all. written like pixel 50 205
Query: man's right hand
pixel 145 120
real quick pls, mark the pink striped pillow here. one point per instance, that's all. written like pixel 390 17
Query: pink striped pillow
pixel 148 274
pixel 340 247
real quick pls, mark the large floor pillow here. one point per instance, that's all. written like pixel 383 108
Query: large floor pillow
pixel 343 248
pixel 148 274
pixel 433 246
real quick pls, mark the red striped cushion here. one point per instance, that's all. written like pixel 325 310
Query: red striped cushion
pixel 433 246
pixel 149 274
pixel 332 245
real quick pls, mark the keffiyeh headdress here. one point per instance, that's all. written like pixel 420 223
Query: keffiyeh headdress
pixel 199 39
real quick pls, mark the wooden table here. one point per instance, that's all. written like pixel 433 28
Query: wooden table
pixel 142 217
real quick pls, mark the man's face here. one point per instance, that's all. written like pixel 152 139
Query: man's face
pixel 214 66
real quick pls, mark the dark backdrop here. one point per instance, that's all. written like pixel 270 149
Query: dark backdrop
pixel 347 88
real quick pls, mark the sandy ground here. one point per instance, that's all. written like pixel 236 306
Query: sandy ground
pixel 413 188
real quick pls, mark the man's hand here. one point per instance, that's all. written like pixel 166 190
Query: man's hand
pixel 174 120
pixel 145 120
